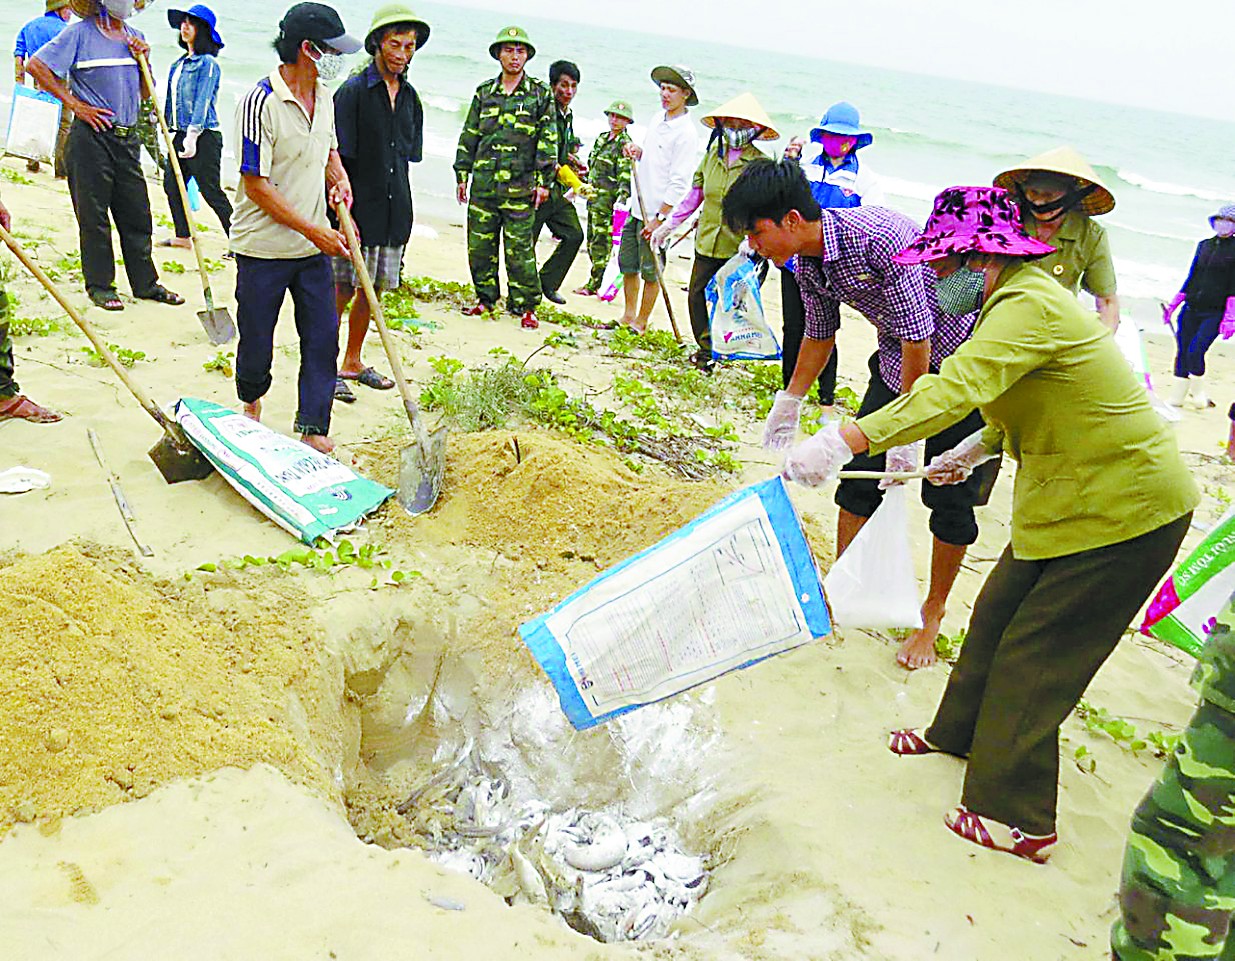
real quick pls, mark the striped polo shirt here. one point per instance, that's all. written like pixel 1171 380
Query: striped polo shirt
pixel 280 142
pixel 100 71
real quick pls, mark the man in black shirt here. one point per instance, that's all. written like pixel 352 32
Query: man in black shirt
pixel 559 210
pixel 379 122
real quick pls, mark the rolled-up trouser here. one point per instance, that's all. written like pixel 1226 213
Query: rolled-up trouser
pixel 1040 630
pixel 793 328
pixel 703 270
pixel 1195 333
pixel 260 288
pixel 951 505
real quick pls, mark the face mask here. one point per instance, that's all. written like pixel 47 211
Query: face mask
pixel 1056 208
pixel 122 9
pixel 960 292
pixel 738 138
pixel 329 65
pixel 1224 227
pixel 837 145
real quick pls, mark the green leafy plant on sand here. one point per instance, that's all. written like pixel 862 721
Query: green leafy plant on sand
pixel 323 558
pixel 223 362
pixel 173 266
pixel 126 356
pixel 13 177
pixel 35 326
pixel 1100 721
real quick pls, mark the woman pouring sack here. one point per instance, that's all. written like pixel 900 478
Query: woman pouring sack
pixel 1101 504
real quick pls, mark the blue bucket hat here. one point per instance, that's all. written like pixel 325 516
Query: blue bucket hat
pixel 201 12
pixel 842 118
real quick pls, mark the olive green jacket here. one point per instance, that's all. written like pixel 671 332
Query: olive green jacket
pixel 712 237
pixel 509 141
pixel 1082 256
pixel 1096 464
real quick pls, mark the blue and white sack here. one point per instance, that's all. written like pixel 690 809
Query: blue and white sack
pixel 733 587
pixel 735 314
pixel 302 490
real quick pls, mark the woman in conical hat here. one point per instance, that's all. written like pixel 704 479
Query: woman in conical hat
pixel 1059 195
pixel 735 126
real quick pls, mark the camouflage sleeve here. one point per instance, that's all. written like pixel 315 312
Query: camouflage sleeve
pixel 469 137
pixel 546 142
pixel 623 174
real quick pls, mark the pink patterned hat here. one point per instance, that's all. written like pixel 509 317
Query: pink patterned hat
pixel 968 220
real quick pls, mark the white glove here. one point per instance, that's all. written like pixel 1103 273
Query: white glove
pixel 899 460
pixel 954 466
pixel 188 150
pixel 744 248
pixel 660 236
pixel 781 428
pixel 818 459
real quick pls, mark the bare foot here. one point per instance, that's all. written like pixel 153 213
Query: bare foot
pixel 918 649
pixel 319 442
pixel 253 411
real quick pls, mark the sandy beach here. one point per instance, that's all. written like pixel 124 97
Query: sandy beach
pixel 206 764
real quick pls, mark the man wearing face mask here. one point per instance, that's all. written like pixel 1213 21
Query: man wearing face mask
pixel 845 256
pixel 558 212
pixel 281 237
pixel 104 93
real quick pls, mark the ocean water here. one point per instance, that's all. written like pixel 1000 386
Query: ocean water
pixel 1168 173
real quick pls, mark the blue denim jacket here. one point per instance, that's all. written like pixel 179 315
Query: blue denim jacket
pixel 197 89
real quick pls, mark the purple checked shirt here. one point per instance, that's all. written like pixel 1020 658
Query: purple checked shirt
pixel 857 269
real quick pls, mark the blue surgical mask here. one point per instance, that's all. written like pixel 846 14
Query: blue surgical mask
pixel 961 291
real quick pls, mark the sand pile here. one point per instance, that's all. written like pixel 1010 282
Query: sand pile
pixel 113 686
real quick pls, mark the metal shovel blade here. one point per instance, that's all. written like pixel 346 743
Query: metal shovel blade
pixel 421 466
pixel 217 324
pixel 179 460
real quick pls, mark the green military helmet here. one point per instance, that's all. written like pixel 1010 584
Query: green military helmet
pixel 389 15
pixel 620 108
pixel 511 35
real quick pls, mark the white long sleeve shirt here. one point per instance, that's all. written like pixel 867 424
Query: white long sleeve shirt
pixel 670 154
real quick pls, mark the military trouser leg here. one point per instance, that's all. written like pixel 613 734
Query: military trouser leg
pixel 484 225
pixel 599 239
pixel 1177 892
pixel 518 230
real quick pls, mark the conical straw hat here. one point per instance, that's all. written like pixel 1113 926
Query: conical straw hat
pixel 1063 160
pixel 85 9
pixel 744 107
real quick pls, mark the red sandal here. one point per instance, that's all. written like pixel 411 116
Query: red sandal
pixel 910 742
pixel 1032 847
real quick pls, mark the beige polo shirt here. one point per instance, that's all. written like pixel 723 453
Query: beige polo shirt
pixel 279 141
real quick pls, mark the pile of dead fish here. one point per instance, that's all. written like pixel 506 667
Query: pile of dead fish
pixel 611 878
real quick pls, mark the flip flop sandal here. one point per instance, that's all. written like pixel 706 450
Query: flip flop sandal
pixel 161 295
pixel 370 378
pixel 910 742
pixel 343 392
pixel 22 407
pixel 107 299
pixel 1032 847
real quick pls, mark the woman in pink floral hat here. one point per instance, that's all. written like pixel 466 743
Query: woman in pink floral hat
pixel 1101 503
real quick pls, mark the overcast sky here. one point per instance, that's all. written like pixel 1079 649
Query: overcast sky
pixel 1174 55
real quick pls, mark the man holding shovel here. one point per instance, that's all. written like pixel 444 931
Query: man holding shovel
pixel 380 125
pixel 845 256
pixel 280 236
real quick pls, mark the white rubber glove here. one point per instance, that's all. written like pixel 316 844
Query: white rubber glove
pixel 781 428
pixel 899 460
pixel 660 236
pixel 188 150
pixel 954 466
pixel 818 459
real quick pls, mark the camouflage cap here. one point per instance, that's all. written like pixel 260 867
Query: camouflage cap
pixel 620 108
pixel 679 76
pixel 511 35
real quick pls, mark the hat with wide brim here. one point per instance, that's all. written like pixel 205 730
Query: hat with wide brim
pixel 973 220
pixel 388 16
pixel 746 108
pixel 842 119
pixel 86 9
pixel 679 76
pixel 1066 161
pixel 511 35
pixel 620 108
pixel 51 6
pixel 201 12
pixel 1225 213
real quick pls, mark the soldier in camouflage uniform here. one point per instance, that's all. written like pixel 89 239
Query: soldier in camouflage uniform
pixel 1177 894
pixel 610 179
pixel 508 148
pixel 558 212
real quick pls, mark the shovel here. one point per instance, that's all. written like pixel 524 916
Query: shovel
pixel 421 464
pixel 176 458
pixel 660 276
pixel 217 321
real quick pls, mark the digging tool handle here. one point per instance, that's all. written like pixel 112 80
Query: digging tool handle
pixel 104 351
pixel 117 493
pixel 881 475
pixel 660 277
pixel 379 317
pixel 174 160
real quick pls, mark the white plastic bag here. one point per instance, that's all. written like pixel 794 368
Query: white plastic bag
pixel 20 480
pixel 735 312
pixel 872 584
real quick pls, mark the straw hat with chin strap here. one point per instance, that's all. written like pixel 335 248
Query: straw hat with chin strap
pixel 1066 161
pixel 746 108
pixel 86 9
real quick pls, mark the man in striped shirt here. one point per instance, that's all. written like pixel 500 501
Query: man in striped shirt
pixel 281 238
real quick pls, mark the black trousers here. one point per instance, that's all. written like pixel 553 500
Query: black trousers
pixel 703 270
pixel 105 177
pixel 563 221
pixel 793 326
pixel 1195 333
pixel 204 167
pixel 1038 634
